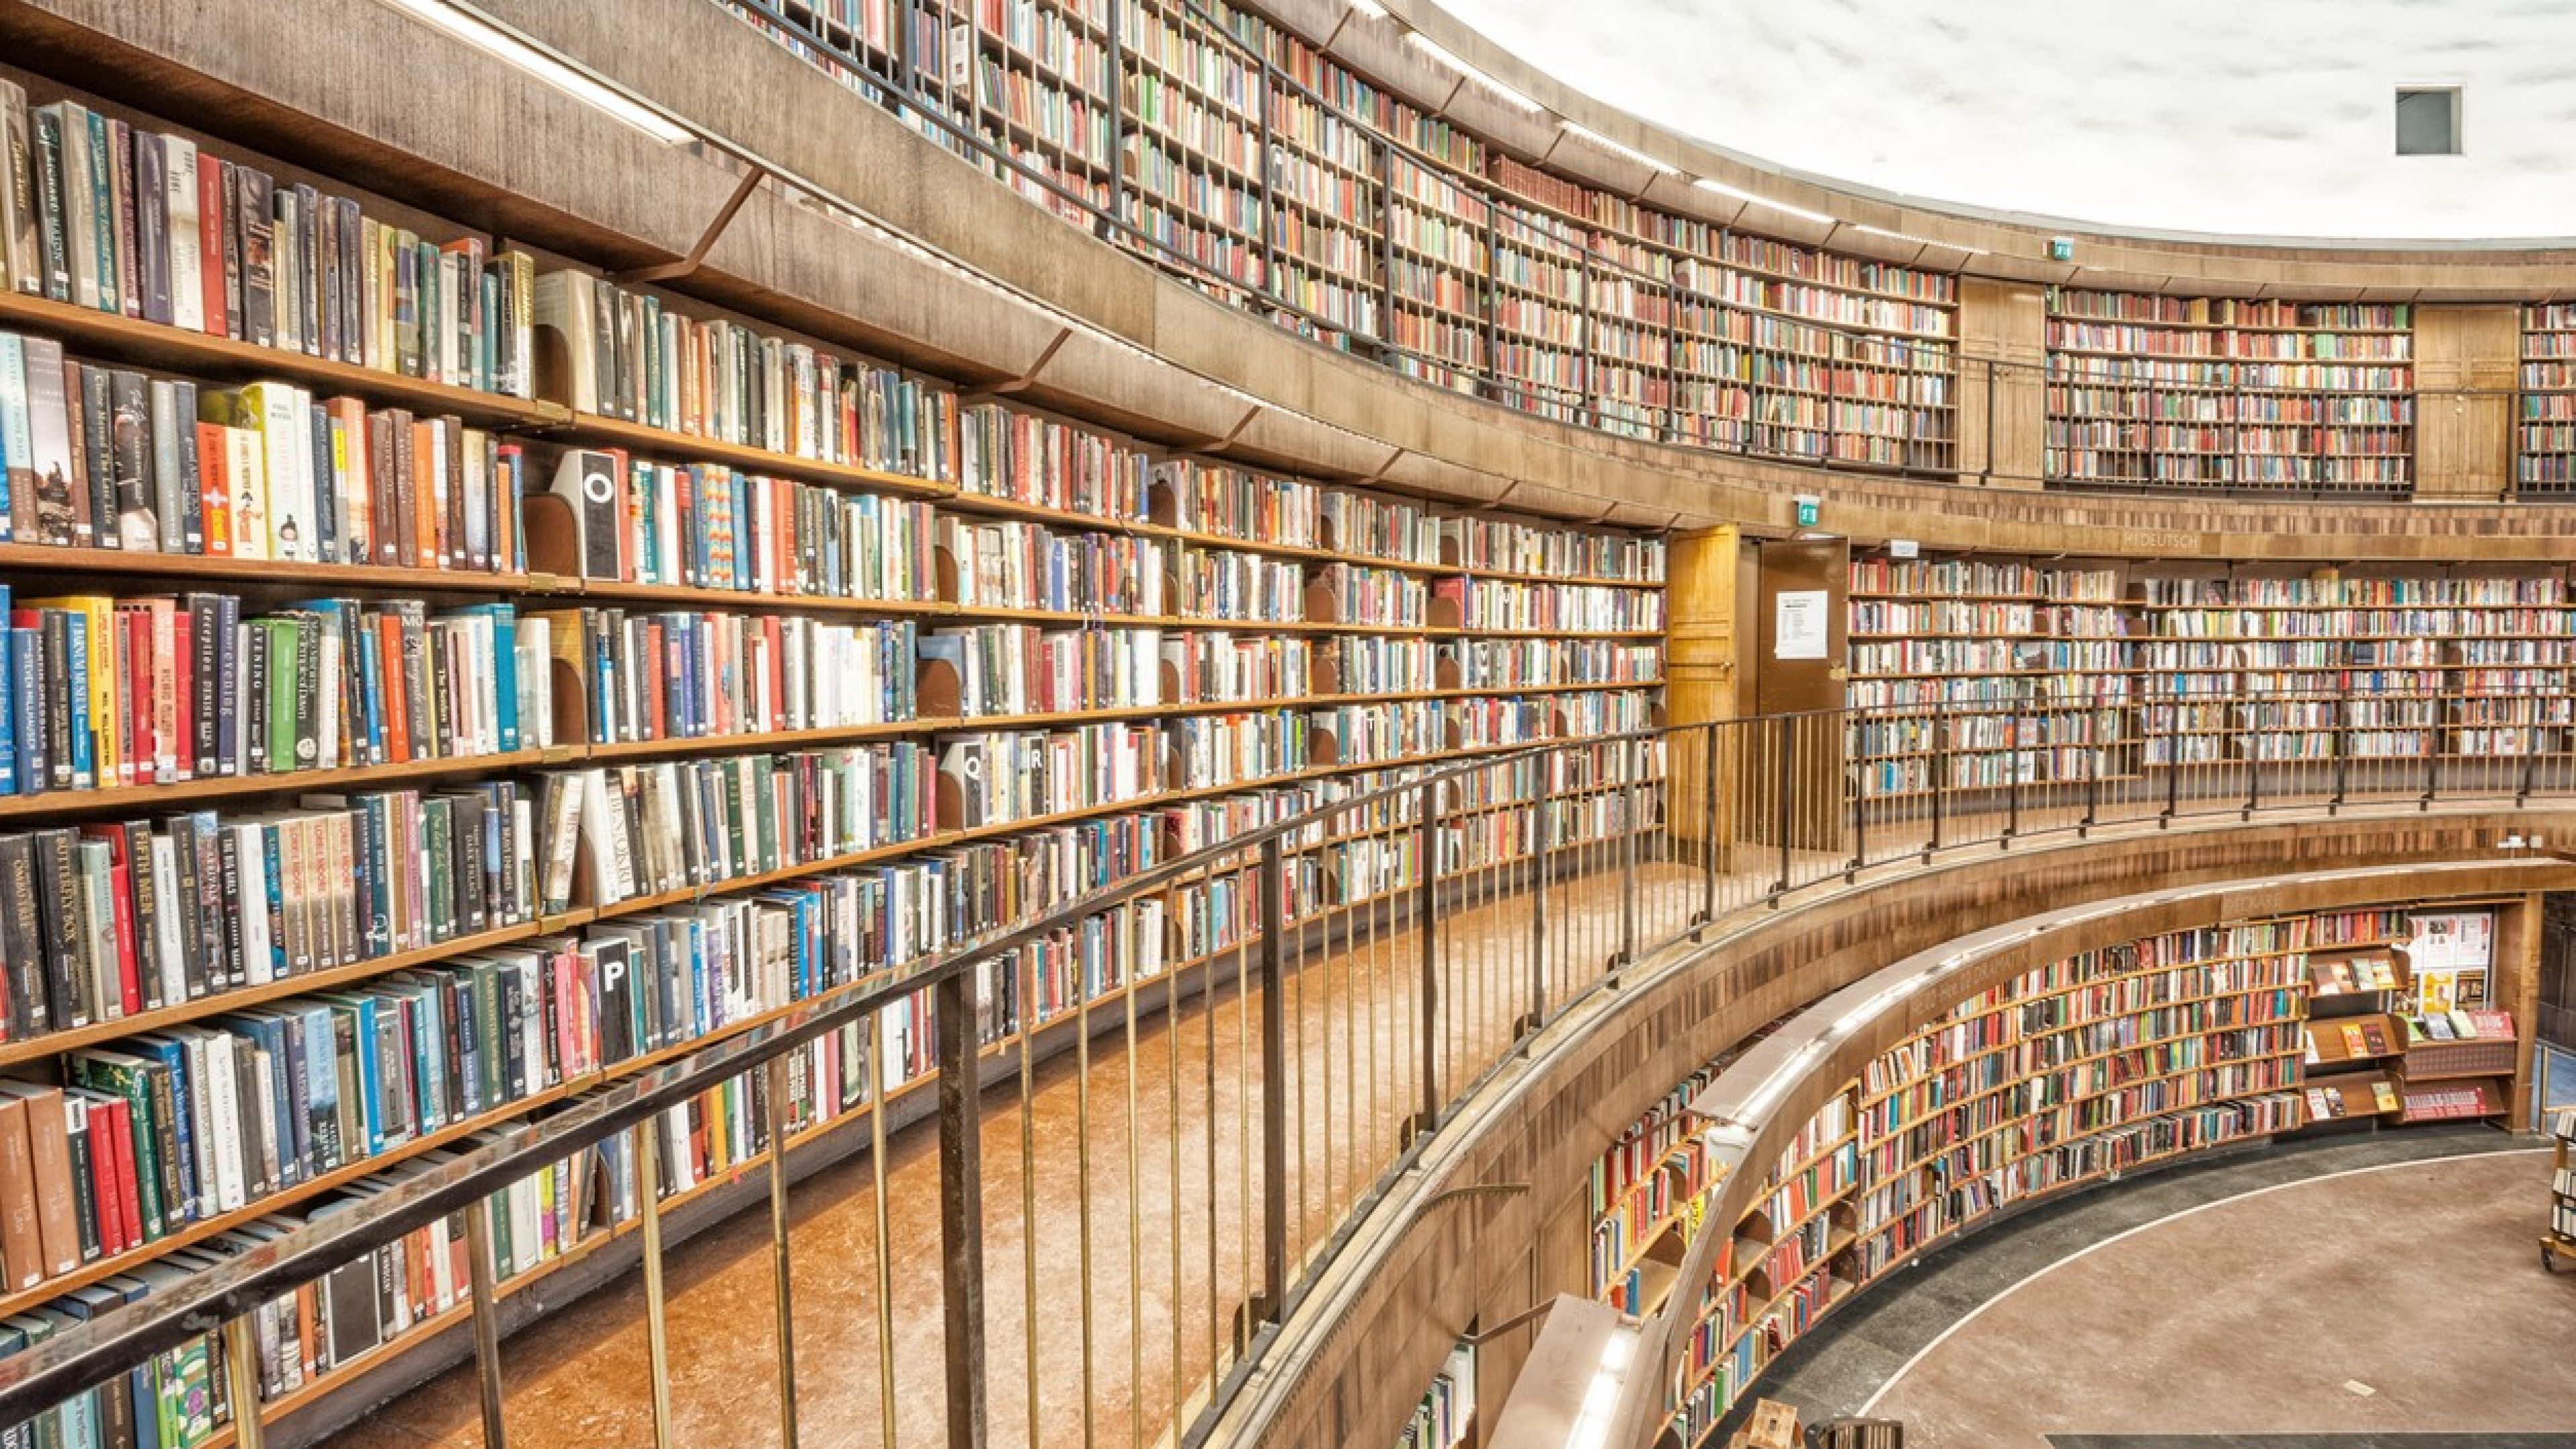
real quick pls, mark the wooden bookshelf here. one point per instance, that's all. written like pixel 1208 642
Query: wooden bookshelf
pixel 2177 393
pixel 1233 153
pixel 2062 672
pixel 1969 674
pixel 2079 1071
pixel 1460 634
pixel 2545 420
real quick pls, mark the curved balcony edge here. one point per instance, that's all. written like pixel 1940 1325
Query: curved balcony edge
pixel 1428 1260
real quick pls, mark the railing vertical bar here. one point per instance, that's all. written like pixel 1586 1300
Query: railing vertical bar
pixel 1708 824
pixel 1082 1180
pixel 782 1284
pixel 871 1046
pixel 1542 837
pixel 961 1206
pixel 241 1374
pixel 1135 1226
pixel 1630 827
pixel 484 1301
pixel 1786 753
pixel 1025 1017
pixel 657 1332
pixel 1426 930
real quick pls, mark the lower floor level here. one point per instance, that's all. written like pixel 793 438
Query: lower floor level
pixel 2354 1292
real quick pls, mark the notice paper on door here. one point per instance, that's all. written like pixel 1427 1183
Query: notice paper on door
pixel 1798 626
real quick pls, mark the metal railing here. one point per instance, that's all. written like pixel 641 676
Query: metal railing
pixel 1220 1062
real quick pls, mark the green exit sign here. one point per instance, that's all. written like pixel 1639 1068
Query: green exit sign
pixel 2061 249
pixel 1810 508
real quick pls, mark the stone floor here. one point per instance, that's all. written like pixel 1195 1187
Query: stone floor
pixel 2345 1291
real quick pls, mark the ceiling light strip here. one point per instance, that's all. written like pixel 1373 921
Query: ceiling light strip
pixel 500 44
pixel 1595 138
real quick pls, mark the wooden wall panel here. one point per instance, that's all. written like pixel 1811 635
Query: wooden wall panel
pixel 2467 367
pixel 2003 393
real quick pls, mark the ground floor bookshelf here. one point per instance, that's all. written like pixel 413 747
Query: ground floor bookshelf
pixel 2077 1073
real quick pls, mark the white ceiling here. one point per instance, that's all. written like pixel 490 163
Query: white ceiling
pixel 2245 117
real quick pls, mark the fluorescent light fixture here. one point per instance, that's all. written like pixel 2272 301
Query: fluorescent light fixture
pixel 1371 9
pixel 1591 1429
pixel 483 35
pixel 1739 193
pixel 1614 148
pixel 1907 236
pixel 1500 91
pixel 1859 1016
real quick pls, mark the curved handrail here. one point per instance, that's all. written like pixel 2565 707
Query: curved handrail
pixel 1829 828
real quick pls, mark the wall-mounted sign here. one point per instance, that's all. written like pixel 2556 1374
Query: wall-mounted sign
pixel 1799 625
pixel 1810 508
pixel 1904 548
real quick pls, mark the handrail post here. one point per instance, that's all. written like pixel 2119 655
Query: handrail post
pixel 2343 752
pixel 1708 836
pixel 1630 815
pixel 781 1264
pixel 1860 821
pixel 961 1206
pixel 1274 1084
pixel 1942 730
pixel 486 1308
pixel 2092 791
pixel 1542 841
pixel 241 1376
pixel 657 1332
pixel 2432 769
pixel 2173 772
pixel 2012 781
pixel 1780 822
pixel 1426 924
pixel 2253 776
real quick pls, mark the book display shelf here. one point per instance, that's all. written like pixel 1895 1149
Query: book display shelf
pixel 566 676
pixel 1234 154
pixel 2545 428
pixel 2017 670
pixel 2230 394
pixel 2074 1073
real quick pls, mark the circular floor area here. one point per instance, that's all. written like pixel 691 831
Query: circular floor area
pixel 2299 1298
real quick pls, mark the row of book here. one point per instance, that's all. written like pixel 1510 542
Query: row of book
pixel 105 214
pixel 209 1119
pixel 105 692
pixel 117 919
pixel 1583 608
pixel 2202 342
pixel 628 357
pixel 113 458
pixel 708 526
pixel 120 919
